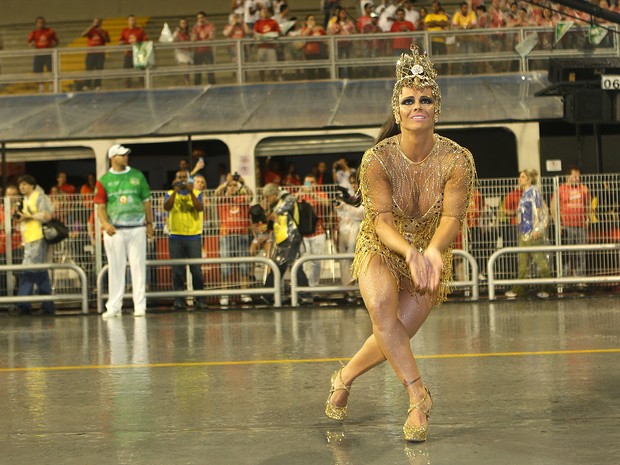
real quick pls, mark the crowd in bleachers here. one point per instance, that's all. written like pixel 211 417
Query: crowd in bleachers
pixel 268 20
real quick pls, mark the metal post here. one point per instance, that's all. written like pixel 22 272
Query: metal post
pixel 558 230
pixel 56 72
pixel 4 167
pixel 333 70
pixel 598 149
pixel 240 74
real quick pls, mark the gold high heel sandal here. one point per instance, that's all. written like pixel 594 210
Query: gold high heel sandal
pixel 418 433
pixel 333 411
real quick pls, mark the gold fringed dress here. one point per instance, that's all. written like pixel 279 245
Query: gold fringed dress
pixel 418 194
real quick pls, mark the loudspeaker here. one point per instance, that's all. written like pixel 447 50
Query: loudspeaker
pixel 563 70
pixel 588 106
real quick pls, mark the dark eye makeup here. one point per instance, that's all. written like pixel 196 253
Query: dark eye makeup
pixel 424 100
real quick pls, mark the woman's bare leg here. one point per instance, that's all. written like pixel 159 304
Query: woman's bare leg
pixel 396 318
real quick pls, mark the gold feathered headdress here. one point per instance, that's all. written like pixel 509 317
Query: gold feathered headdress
pixel 415 71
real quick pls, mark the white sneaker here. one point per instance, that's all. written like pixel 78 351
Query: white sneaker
pixel 510 294
pixel 246 299
pixel 109 314
pixel 139 313
pixel 224 301
pixel 543 295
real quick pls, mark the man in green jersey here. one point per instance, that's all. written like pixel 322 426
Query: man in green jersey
pixel 123 200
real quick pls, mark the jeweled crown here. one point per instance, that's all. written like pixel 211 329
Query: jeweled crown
pixel 415 70
pixel 417 65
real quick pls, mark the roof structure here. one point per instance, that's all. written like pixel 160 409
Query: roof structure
pixel 263 107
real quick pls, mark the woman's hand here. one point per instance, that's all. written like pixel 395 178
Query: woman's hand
pixel 435 265
pixel 418 267
pixel 425 267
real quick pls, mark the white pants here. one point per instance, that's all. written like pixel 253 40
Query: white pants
pixel 126 244
pixel 347 236
pixel 314 246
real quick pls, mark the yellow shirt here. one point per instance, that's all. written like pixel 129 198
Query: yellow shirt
pixel 31 228
pixel 183 219
pixel 462 22
pixel 435 17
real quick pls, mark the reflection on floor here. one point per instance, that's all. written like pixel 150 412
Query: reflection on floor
pixel 528 381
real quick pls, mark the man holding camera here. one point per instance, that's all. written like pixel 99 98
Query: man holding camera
pixel 233 207
pixel 185 215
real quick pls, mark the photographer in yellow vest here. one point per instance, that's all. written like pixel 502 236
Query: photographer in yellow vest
pixel 35 208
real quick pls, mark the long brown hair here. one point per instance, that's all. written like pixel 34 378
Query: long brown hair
pixel 390 128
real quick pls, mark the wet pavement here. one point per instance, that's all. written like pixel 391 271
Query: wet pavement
pixel 521 382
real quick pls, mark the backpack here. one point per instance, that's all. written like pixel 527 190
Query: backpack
pixel 308 218
pixel 55 231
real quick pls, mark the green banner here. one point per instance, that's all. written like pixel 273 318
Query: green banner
pixel 561 29
pixel 596 34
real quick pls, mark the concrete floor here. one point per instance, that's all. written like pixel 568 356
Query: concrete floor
pixel 522 382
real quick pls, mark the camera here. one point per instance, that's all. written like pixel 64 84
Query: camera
pixel 20 207
pixel 179 184
pixel 236 176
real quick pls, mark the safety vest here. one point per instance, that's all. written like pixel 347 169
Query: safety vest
pixel 31 229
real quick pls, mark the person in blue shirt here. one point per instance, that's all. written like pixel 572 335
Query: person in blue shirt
pixel 533 217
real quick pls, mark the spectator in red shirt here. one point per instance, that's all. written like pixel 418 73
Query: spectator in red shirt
pixel 235 29
pixel 96 37
pixel 401 44
pixel 314 243
pixel 184 56
pixel 343 26
pixel 320 173
pixel 88 190
pixel 292 178
pixel 40 38
pixel 11 196
pixel 373 47
pixel 313 50
pixel 62 185
pixel 234 215
pixel 132 34
pixel 574 203
pixel 267 29
pixel 365 19
pixel 272 172
pixel 203 55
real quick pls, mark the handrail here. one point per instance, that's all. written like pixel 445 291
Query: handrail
pixel 83 295
pixel 239 64
pixel 474 282
pixel 276 290
pixel 492 282
pixel 296 288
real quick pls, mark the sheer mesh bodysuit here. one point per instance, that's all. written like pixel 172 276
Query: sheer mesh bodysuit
pixel 418 194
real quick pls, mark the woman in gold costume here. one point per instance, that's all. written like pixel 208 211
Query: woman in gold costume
pixel 416 187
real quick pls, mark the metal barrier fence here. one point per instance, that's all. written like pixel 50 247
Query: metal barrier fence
pixel 493 283
pixel 477 51
pixel 81 294
pixel 490 219
pixel 469 280
pixel 276 290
